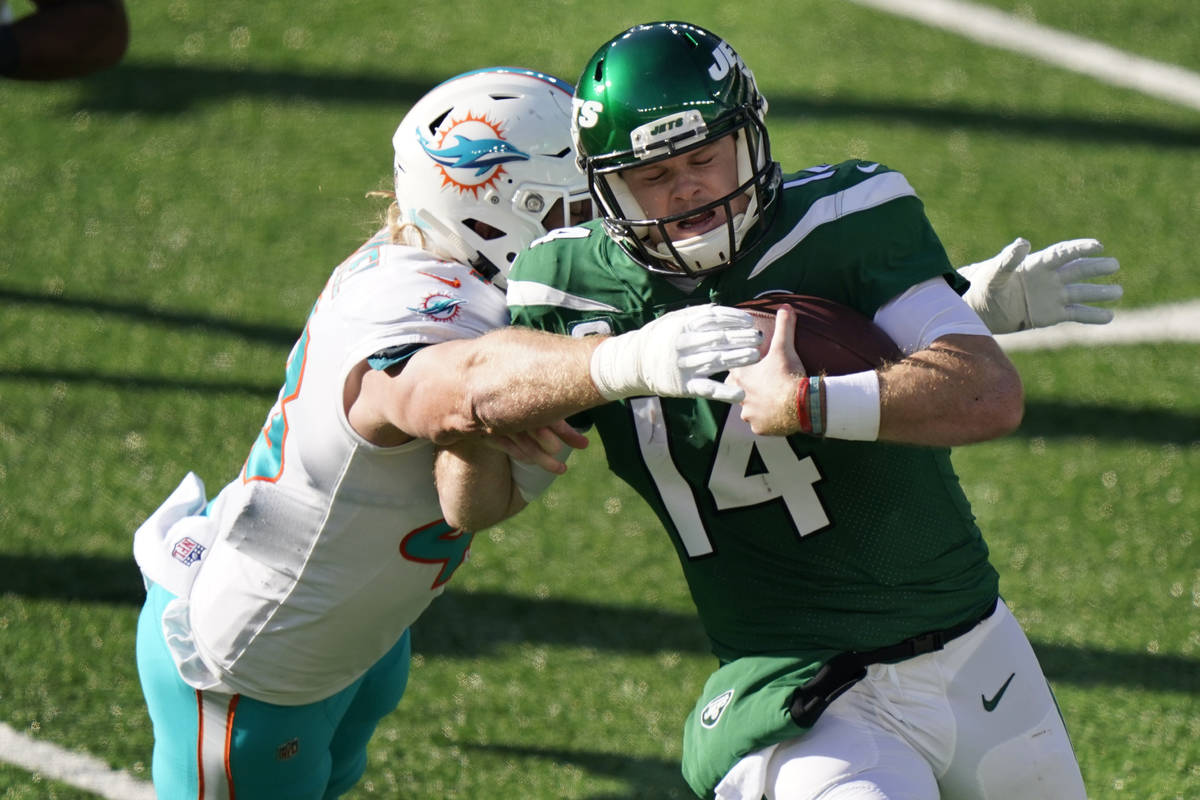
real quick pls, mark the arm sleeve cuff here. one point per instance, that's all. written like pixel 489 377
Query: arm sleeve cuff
pixel 926 312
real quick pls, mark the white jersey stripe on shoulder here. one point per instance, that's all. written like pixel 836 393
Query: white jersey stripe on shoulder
pixel 820 176
pixel 216 718
pixel 870 193
pixel 532 293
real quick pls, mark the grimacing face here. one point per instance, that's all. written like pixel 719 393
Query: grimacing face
pixel 686 181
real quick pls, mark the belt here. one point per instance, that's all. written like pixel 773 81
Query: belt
pixel 846 669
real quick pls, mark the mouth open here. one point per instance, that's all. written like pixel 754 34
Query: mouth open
pixel 701 223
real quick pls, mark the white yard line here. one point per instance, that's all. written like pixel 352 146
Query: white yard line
pixel 74 769
pixel 998 29
pixel 1173 322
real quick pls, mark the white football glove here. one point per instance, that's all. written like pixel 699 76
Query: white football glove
pixel 1014 290
pixel 673 355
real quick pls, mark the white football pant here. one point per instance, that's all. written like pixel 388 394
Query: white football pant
pixel 974 721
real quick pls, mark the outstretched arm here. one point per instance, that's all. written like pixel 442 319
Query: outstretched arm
pixel 516 379
pixel 509 380
pixel 1014 289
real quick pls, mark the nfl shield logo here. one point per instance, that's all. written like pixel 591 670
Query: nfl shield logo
pixel 187 551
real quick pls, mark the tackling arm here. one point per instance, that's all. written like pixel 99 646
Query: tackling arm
pixel 504 382
pixel 474 485
pixel 517 379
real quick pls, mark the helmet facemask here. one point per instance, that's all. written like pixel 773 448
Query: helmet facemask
pixel 695 256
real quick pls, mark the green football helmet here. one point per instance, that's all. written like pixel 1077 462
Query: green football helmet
pixel 654 92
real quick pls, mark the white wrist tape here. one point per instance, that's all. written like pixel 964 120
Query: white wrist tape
pixel 852 406
pixel 614 367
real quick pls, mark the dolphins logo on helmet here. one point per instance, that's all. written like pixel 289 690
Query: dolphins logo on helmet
pixel 484 165
pixel 476 144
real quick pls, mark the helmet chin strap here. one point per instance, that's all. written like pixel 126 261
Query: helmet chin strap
pixel 448 242
pixel 454 247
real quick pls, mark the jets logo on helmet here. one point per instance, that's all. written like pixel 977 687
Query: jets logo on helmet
pixel 587 112
pixel 724 59
pixel 470 153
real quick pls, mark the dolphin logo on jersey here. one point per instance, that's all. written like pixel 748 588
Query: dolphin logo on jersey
pixel 438 543
pixel 440 307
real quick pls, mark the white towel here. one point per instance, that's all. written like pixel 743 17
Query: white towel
pixel 169 546
pixel 748 778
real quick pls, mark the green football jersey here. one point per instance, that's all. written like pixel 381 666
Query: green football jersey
pixel 795 546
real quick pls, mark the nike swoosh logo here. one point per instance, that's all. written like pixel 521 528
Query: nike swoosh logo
pixel 990 705
pixel 455 282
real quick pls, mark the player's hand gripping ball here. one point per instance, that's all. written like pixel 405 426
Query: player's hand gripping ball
pixel 830 338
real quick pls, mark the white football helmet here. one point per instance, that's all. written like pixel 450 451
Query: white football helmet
pixel 491 146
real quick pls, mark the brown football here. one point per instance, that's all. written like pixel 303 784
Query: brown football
pixel 830 337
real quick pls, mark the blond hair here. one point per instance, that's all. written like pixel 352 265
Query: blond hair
pixel 401 230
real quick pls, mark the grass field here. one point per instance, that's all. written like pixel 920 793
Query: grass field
pixel 165 226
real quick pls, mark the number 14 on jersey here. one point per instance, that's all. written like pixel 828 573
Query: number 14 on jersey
pixel 786 478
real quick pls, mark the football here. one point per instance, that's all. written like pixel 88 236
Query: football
pixel 830 337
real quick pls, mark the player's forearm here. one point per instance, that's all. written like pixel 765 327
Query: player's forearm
pixel 960 390
pixel 527 378
pixel 509 380
pixel 475 487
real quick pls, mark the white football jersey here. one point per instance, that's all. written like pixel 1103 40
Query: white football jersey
pixel 327 547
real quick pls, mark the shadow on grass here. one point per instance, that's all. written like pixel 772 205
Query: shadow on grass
pixel 472 624
pixel 1052 420
pixel 84 579
pixel 137 382
pixel 649 778
pixel 477 624
pixel 267 334
pixel 163 88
